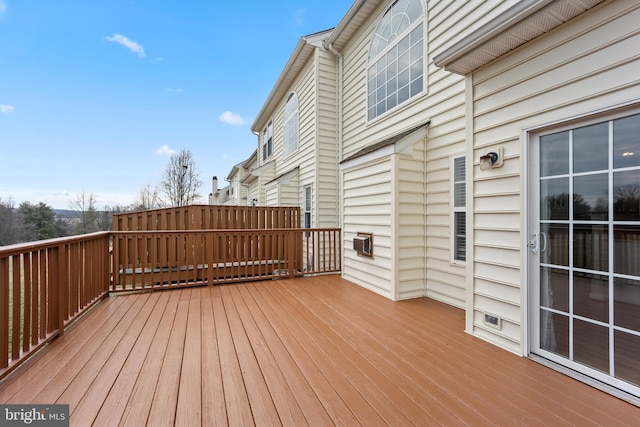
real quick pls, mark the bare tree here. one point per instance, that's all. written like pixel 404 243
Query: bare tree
pixel 11 223
pixel 85 204
pixel 180 183
pixel 148 198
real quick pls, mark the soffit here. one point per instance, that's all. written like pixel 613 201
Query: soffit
pixel 521 23
pixel 355 17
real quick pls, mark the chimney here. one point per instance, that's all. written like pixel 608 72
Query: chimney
pixel 214 185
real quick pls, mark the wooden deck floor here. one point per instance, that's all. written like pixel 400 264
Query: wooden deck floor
pixel 310 351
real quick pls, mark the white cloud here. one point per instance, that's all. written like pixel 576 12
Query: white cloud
pixel 232 119
pixel 4 108
pixel 165 151
pixel 298 17
pixel 129 44
pixel 3 8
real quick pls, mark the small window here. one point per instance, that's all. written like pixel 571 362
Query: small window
pixel 307 206
pixel 290 131
pixel 459 209
pixel 267 141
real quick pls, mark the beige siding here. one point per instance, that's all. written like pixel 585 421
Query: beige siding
pixel 586 65
pixel 423 232
pixel 316 156
pixel 271 195
pixel 411 223
pixel 289 194
pixel 326 149
pixel 368 200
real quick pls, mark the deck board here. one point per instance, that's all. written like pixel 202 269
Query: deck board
pixel 163 407
pixel 142 395
pixel 213 406
pixel 304 351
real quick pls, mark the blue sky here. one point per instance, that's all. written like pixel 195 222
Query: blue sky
pixel 94 94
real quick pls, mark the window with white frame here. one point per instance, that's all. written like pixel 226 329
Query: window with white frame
pixel 459 209
pixel 267 141
pixel 395 66
pixel 307 206
pixel 290 131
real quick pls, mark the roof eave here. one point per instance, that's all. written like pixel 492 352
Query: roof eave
pixel 301 54
pixel 509 18
pixel 506 32
pixel 340 33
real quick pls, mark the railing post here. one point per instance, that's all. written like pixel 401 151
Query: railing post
pixel 60 279
pixel 292 253
pixel 4 312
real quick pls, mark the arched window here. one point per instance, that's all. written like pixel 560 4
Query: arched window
pixel 396 57
pixel 290 131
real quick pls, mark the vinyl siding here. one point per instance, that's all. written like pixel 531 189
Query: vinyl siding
pixel 586 65
pixel 289 194
pixel 271 195
pixel 316 155
pixel 326 149
pixel 423 248
pixel 411 223
pixel 367 208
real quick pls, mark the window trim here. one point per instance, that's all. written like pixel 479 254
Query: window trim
pixel 462 210
pixel 267 141
pixel 372 62
pixel 307 199
pixel 286 129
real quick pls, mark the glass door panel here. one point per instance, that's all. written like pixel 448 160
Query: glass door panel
pixel 587 249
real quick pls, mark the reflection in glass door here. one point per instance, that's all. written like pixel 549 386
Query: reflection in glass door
pixel 586 245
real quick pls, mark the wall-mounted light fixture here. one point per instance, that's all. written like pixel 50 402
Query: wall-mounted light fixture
pixel 491 159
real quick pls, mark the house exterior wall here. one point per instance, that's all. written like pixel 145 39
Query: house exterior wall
pixel 411 225
pixel 316 155
pixel 237 191
pixel 422 182
pixel 325 182
pixel 581 67
pixel 368 200
pixel 283 193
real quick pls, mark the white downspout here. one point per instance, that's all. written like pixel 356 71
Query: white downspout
pixel 340 140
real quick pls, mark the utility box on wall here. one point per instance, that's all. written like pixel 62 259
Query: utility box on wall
pixel 363 244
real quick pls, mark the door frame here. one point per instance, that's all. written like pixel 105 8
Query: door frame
pixel 530 201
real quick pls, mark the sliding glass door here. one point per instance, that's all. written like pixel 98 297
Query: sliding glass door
pixel 585 248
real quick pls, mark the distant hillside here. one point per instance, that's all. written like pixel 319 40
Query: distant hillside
pixel 66 213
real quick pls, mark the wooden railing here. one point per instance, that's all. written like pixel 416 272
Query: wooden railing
pixel 46 285
pixel 165 259
pixel 209 217
pixel 43 287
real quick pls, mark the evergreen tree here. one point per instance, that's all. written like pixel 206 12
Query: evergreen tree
pixel 39 220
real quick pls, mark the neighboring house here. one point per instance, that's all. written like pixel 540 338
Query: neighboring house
pixel 297 157
pixel 237 190
pixel 218 196
pixel 251 181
